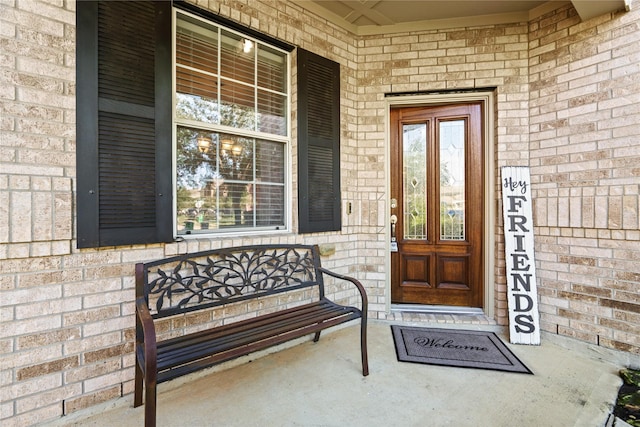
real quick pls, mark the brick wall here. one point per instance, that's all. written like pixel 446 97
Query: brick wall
pixel 67 336
pixel 567 103
pixel 585 157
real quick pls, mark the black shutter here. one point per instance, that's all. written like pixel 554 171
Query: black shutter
pixel 318 143
pixel 123 103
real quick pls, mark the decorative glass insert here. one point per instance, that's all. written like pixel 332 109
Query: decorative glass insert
pixel 232 129
pixel 414 143
pixel 452 179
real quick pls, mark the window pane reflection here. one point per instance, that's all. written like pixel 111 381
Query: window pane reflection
pixel 196 71
pixel 272 112
pixel 226 181
pixel 272 69
pixel 237 57
pixel 237 105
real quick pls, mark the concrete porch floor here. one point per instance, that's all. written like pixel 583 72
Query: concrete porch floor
pixel 321 384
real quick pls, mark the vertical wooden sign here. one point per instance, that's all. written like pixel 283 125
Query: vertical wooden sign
pixel 524 319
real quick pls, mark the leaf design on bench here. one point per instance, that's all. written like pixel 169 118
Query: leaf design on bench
pixel 222 276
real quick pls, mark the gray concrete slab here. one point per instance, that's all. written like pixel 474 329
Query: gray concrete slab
pixel 320 384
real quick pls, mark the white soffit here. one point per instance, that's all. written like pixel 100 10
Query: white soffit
pixel 588 9
pixel 369 17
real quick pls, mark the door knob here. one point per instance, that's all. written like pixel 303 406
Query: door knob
pixel 394 219
pixel 394 243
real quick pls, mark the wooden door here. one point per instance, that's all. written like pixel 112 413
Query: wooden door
pixel 437 205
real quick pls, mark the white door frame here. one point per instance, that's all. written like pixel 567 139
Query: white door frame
pixel 487 98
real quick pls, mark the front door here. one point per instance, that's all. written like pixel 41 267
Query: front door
pixel 437 205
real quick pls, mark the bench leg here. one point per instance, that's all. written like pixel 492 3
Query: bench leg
pixel 363 347
pixel 150 404
pixel 316 337
pixel 137 394
pixel 149 386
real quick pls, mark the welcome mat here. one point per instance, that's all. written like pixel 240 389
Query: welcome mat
pixel 454 347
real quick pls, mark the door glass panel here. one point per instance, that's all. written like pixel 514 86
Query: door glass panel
pixel 414 143
pixel 452 180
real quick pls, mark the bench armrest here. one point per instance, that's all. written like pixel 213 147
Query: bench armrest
pixel 145 338
pixel 363 293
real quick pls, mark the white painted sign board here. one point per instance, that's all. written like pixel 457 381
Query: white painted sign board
pixel 522 294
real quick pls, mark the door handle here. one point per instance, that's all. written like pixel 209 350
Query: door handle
pixel 394 219
pixel 394 243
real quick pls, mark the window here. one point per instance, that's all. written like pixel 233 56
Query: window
pixel 226 169
pixel 232 130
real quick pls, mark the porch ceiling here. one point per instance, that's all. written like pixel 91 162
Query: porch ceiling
pixel 365 17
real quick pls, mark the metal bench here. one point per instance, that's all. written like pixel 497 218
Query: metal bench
pixel 285 282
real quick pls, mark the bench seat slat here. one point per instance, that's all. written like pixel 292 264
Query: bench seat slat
pixel 190 347
pixel 193 352
pixel 247 324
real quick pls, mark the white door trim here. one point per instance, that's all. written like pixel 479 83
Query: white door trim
pixel 487 98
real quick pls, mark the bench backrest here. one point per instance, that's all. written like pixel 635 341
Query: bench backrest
pixel 221 276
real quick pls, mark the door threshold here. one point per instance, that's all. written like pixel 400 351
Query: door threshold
pixel 437 309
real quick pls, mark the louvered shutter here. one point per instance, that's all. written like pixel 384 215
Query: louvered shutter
pixel 124 123
pixel 318 143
